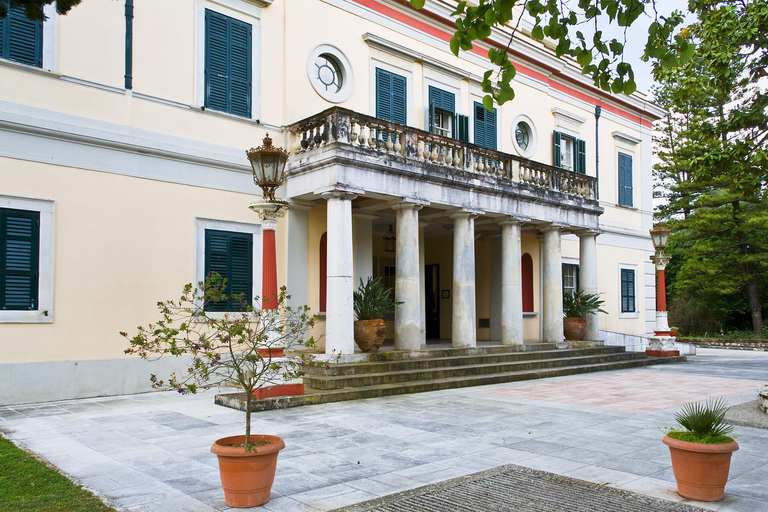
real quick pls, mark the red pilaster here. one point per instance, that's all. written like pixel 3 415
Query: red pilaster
pixel 269 271
pixel 661 291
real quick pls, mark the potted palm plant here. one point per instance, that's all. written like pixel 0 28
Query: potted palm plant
pixel 371 301
pixel 701 450
pixel 226 348
pixel 576 306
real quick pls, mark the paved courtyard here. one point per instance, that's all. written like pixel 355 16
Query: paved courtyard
pixel 151 452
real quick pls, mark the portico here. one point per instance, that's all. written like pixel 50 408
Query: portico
pixel 442 196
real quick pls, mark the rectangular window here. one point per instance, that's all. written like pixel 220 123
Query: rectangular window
pixel 227 64
pixel 19 259
pixel 442 108
pixel 625 180
pixel 390 97
pixel 569 153
pixel 21 39
pixel 628 290
pixel 570 278
pixel 485 127
pixel 230 255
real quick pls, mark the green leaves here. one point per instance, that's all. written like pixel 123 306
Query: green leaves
pixel 372 300
pixel 418 4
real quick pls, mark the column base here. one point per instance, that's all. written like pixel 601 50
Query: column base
pixel 661 346
pixel 662 353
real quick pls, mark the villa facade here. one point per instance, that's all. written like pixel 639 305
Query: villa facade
pixel 123 176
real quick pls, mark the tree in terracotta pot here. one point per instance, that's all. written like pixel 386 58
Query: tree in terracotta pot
pixel 371 301
pixel 576 306
pixel 701 450
pixel 226 348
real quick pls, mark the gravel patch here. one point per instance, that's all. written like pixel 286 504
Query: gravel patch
pixel 519 489
pixel 747 414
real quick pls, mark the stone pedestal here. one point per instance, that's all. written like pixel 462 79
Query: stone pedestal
pixel 662 346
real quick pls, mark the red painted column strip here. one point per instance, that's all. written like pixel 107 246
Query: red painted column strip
pixel 661 290
pixel 269 272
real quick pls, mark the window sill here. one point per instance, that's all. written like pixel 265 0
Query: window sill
pixel 625 207
pixel 629 315
pixel 530 313
pixel 26 317
pixel 225 115
pixel 29 69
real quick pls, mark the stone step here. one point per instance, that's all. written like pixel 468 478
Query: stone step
pixel 443 361
pixel 400 355
pixel 312 396
pixel 327 382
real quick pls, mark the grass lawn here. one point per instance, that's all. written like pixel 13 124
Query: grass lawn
pixel 26 484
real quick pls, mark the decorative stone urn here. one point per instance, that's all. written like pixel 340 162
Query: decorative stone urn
pixel 370 334
pixel 574 327
pixel 762 398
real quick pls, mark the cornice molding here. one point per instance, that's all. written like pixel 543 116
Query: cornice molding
pixel 392 48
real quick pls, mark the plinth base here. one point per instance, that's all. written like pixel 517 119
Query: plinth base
pixel 662 353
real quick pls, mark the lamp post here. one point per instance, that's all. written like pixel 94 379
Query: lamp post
pixel 268 164
pixel 661 344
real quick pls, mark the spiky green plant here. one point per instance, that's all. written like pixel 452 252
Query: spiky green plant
pixel 580 304
pixel 372 299
pixel 704 422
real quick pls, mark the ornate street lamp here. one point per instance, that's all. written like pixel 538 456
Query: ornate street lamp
pixel 661 344
pixel 268 164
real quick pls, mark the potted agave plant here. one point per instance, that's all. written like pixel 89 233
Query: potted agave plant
pixel 576 306
pixel 701 450
pixel 371 301
pixel 227 348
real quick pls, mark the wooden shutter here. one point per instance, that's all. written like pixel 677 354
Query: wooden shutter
pixel 227 64
pixel 625 180
pixel 19 259
pixel 556 151
pixel 581 156
pixel 627 290
pixel 398 99
pixel 443 100
pixel 231 256
pixel 21 39
pixel 485 126
pixel 462 127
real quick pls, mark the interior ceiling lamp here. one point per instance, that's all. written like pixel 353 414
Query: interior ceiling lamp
pixel 268 163
pixel 389 240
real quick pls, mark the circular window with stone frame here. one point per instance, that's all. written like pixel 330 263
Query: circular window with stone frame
pixel 524 136
pixel 330 73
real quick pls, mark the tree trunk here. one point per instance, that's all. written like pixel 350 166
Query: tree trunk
pixel 752 293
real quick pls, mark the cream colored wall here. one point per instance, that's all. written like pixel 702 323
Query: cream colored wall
pixel 121 245
pixel 316 226
pixel 483 286
pixel 532 323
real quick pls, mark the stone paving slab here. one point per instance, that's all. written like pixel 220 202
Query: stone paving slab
pixel 519 489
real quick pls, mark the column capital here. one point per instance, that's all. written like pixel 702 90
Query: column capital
pixel 409 203
pixel 269 212
pixel 586 232
pixel 339 192
pixel 466 213
pixel 513 220
pixel 551 226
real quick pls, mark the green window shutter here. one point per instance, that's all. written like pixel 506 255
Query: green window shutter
pixel 19 259
pixel 627 290
pixel 625 180
pixel 398 100
pixel 485 126
pixel 21 39
pixel 443 100
pixel 390 97
pixel 227 64
pixel 462 128
pixel 581 156
pixel 431 116
pixel 556 158
pixel 231 256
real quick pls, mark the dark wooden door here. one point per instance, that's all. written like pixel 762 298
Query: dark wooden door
pixel 432 294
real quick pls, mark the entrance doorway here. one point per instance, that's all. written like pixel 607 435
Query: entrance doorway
pixel 432 301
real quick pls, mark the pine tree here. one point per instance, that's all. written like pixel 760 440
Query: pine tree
pixel 33 9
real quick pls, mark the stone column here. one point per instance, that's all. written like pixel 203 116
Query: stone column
pixel 363 247
pixel 463 325
pixel 588 278
pixel 553 285
pixel 339 317
pixel 409 331
pixel 511 283
pixel 296 279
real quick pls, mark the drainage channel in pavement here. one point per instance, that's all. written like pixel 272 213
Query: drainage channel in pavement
pixel 518 489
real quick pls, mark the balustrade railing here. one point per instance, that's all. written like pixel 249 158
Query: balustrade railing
pixel 339 125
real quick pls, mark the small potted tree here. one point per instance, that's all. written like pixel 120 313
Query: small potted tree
pixel 371 301
pixel 576 306
pixel 228 348
pixel 701 450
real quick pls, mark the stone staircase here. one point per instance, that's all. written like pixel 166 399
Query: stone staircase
pixel 392 373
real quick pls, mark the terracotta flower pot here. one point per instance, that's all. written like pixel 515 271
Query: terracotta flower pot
pixel 370 334
pixel 673 331
pixel 574 327
pixel 701 470
pixel 247 476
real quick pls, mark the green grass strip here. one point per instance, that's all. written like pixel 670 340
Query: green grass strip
pixel 27 484
pixel 693 438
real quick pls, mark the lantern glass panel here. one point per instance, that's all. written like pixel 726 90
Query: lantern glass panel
pixel 269 162
pixel 258 172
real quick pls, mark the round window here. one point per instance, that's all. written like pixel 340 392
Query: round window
pixel 524 136
pixel 330 73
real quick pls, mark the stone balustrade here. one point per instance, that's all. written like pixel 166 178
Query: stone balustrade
pixel 341 126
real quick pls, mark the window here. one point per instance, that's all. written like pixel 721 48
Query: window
pixel 569 153
pixel 227 64
pixel 230 255
pixel 390 97
pixel 21 39
pixel 442 107
pixel 485 126
pixel 627 290
pixel 570 278
pixel 19 259
pixel 625 180
pixel 330 73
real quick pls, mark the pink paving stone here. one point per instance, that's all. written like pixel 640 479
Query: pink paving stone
pixel 646 392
